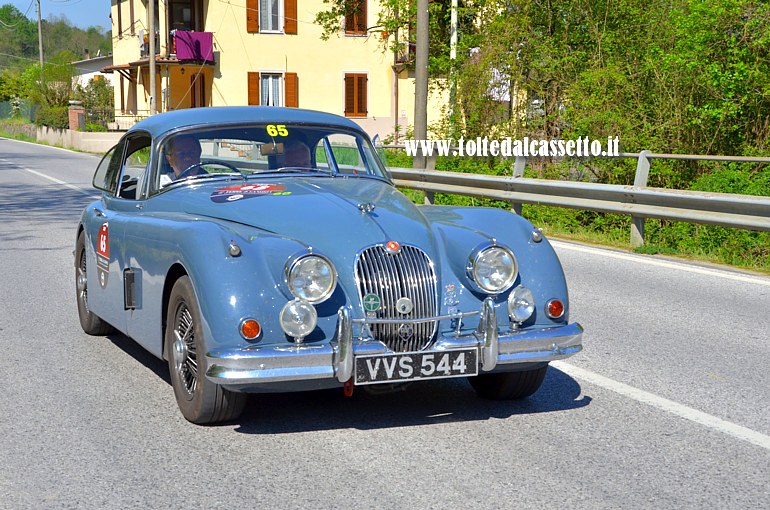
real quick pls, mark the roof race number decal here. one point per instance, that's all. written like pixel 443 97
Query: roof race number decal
pixel 277 130
pixel 103 254
pixel 244 191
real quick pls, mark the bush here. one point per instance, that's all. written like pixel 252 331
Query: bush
pixel 95 128
pixel 53 116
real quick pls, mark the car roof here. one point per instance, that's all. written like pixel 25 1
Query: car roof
pixel 163 122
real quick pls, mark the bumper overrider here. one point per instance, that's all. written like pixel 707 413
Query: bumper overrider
pixel 297 362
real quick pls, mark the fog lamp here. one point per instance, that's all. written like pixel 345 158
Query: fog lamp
pixel 298 319
pixel 521 304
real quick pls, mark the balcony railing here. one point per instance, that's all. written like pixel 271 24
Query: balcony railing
pixel 184 45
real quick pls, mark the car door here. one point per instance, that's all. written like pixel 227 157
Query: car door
pixel 122 180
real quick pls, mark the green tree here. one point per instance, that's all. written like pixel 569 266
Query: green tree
pixel 53 85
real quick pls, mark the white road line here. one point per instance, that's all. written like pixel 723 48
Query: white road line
pixel 669 406
pixel 758 280
pixel 57 181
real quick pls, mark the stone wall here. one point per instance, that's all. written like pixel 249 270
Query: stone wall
pixel 78 140
pixel 15 128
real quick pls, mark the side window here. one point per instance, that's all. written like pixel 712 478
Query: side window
pixel 108 171
pixel 135 168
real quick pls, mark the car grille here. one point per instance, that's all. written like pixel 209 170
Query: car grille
pixel 391 276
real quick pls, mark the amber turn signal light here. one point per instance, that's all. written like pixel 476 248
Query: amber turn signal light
pixel 554 309
pixel 250 329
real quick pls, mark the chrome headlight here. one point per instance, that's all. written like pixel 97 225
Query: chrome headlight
pixel 493 269
pixel 521 304
pixel 311 278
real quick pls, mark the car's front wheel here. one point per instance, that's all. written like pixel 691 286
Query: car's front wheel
pixel 200 400
pixel 509 385
pixel 90 323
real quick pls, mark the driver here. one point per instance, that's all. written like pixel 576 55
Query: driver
pixel 182 153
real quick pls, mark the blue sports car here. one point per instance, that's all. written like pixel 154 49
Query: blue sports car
pixel 262 249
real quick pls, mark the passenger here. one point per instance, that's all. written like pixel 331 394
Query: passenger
pixel 297 154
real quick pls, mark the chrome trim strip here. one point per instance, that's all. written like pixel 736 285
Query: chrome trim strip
pixel 458 315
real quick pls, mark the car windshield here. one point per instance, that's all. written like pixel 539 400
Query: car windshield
pixel 255 150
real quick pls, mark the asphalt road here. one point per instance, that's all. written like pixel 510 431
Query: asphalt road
pixel 667 407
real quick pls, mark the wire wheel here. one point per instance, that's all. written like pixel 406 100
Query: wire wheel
pixel 200 400
pixel 81 281
pixel 90 323
pixel 185 353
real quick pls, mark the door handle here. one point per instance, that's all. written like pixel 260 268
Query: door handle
pixel 99 212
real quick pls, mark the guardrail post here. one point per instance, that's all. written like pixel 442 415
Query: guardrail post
pixel 518 171
pixel 421 161
pixel 640 181
pixel 430 164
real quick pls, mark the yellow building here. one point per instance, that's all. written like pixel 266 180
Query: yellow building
pixel 268 52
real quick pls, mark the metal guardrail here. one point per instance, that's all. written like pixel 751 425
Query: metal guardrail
pixel 728 210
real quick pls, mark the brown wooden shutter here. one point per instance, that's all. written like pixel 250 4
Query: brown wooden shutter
pixel 131 16
pixel 361 17
pixel 253 88
pixel 350 94
pixel 292 90
pixel 290 16
pixel 361 92
pixel 120 20
pixel 252 15
pixel 350 23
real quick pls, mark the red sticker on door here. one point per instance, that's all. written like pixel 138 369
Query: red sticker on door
pixel 103 254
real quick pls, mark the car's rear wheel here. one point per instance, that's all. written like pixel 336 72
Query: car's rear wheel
pixel 509 385
pixel 200 400
pixel 90 323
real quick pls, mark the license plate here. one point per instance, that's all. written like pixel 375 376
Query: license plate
pixel 410 366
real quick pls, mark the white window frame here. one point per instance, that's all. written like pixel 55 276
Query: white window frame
pixel 264 11
pixel 270 76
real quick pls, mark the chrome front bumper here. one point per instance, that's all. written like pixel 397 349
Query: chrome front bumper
pixel 298 362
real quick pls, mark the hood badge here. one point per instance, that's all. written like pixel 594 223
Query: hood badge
pixel 405 332
pixel 371 302
pixel 392 247
pixel 404 305
pixel 367 208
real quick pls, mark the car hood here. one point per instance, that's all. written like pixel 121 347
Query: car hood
pixel 329 214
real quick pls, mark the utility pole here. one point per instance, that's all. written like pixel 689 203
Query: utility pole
pixel 152 56
pixel 40 35
pixel 421 79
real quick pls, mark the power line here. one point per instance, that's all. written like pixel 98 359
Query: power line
pixel 23 17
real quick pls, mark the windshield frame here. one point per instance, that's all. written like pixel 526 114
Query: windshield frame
pixel 371 162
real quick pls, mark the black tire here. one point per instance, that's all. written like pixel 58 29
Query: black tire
pixel 200 400
pixel 90 323
pixel 509 385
